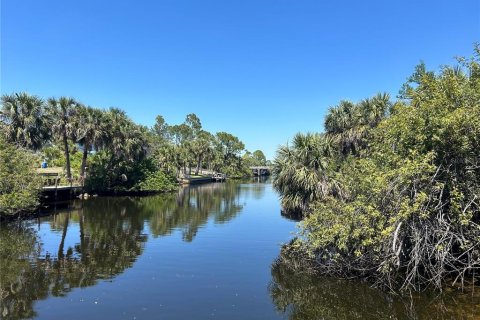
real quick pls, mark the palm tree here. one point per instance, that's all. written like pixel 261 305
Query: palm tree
pixel 301 172
pixel 23 120
pixel 375 109
pixel 200 147
pixel 91 130
pixel 342 123
pixel 340 118
pixel 63 111
pixel 349 123
pixel 116 119
pixel 126 139
pixel 165 156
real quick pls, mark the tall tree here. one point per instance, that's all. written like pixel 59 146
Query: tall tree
pixel 92 131
pixel 63 111
pixel 126 140
pixel 193 122
pixel 230 145
pixel 160 128
pixel 229 148
pixel 23 120
pixel 202 145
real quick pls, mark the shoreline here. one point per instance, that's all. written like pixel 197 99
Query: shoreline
pixel 44 208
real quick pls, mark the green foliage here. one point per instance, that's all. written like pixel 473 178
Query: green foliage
pixel 19 183
pixel 157 181
pixel 187 149
pixel 301 171
pixel 257 158
pixel 118 154
pixel 63 111
pixel 23 120
pixel 55 156
pixel 18 246
pixel 107 172
pixel 350 124
pixel 406 210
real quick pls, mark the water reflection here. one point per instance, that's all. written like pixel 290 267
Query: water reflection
pixel 226 271
pixel 110 234
pixel 191 208
pixel 17 247
pixel 106 248
pixel 302 296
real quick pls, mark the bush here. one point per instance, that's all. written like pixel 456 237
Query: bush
pixel 19 183
pixel 408 214
pixel 157 181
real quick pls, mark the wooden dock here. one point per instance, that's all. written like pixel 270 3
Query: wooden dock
pixel 54 189
pixel 60 192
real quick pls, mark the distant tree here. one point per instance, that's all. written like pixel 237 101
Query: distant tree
pixel 160 128
pixel 202 144
pixel 259 158
pixel 193 122
pixel 230 145
pixel 229 148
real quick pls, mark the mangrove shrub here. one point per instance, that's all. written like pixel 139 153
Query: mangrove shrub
pixel 19 183
pixel 408 214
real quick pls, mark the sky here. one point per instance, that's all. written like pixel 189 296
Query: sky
pixel 262 70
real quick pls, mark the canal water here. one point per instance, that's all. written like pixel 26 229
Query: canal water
pixel 205 252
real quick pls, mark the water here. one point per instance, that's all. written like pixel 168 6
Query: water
pixel 205 252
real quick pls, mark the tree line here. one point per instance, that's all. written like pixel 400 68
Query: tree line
pixel 105 149
pixel 390 191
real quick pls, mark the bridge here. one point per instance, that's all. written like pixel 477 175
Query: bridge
pixel 261 170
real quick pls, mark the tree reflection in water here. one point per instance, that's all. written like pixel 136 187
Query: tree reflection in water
pixel 111 238
pixel 302 296
pixel 191 208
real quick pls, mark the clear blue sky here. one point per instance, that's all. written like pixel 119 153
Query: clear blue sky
pixel 260 69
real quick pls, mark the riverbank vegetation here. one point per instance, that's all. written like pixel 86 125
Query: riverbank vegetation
pixel 390 191
pixel 104 150
pixel 19 183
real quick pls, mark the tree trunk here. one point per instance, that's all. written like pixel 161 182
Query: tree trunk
pixel 199 164
pixel 67 156
pixel 84 160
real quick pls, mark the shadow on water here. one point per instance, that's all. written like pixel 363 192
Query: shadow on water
pixel 302 296
pixel 111 237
